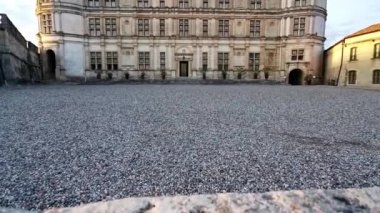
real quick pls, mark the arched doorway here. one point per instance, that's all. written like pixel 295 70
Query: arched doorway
pixel 296 77
pixel 51 64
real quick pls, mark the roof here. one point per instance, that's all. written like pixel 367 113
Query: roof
pixel 371 29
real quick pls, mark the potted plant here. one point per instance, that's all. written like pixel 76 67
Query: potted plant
pixel 240 73
pixel 255 75
pixel 309 79
pixel 224 74
pixel 266 72
pixel 163 74
pixel 110 76
pixel 142 76
pixel 127 75
pixel 266 75
pixel 204 76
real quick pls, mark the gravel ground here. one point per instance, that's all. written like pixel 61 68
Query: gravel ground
pixel 66 145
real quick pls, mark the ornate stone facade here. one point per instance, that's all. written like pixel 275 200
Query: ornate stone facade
pixel 275 39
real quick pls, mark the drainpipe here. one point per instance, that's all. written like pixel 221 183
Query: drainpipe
pixel 2 75
pixel 341 63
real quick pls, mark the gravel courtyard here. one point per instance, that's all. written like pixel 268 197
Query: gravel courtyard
pixel 65 145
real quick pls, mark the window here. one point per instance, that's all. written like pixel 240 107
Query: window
pixel 205 3
pixel 183 3
pixel 94 3
pixel 205 28
pixel 224 28
pixel 46 23
pixel 112 61
pixel 255 28
pixel 223 3
pixel 96 60
pixel 162 3
pixel 45 1
pixel 162 27
pixel 223 61
pixel 254 61
pixel 162 61
pixel 94 26
pixel 297 55
pixel 299 26
pixel 352 77
pixel 376 53
pixel 255 4
pixel 183 27
pixel 143 27
pixel 353 54
pixel 144 60
pixel 111 29
pixel 299 3
pixel 142 3
pixel 110 3
pixel 376 77
pixel 204 61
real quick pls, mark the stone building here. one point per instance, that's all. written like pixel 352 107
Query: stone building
pixel 280 40
pixel 19 58
pixel 355 60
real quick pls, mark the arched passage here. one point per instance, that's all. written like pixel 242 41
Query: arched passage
pixel 51 64
pixel 296 77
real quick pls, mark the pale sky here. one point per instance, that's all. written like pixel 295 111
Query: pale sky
pixel 345 17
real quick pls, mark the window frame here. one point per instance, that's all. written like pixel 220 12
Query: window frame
pixel 376 51
pixel 94 26
pixel 254 61
pixel 223 61
pixel 300 3
pixel 47 23
pixel 298 55
pixel 224 28
pixel 162 61
pixel 144 60
pixel 204 61
pixel 224 4
pixel 299 26
pixel 255 28
pixel 143 3
pixel 143 27
pixel 96 60
pixel 112 60
pixel 110 26
pixel 255 4
pixel 353 54
pixel 183 27
pixel 376 77
pixel 352 77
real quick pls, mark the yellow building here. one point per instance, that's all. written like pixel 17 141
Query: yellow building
pixel 355 60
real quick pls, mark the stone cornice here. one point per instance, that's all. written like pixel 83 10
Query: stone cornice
pixel 285 12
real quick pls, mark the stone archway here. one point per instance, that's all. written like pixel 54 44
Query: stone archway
pixel 296 77
pixel 51 64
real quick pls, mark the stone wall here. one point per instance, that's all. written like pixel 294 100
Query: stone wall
pixel 19 59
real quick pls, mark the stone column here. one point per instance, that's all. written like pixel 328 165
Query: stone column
pixel 288 26
pixel 311 29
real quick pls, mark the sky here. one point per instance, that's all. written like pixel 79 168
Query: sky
pixel 344 17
